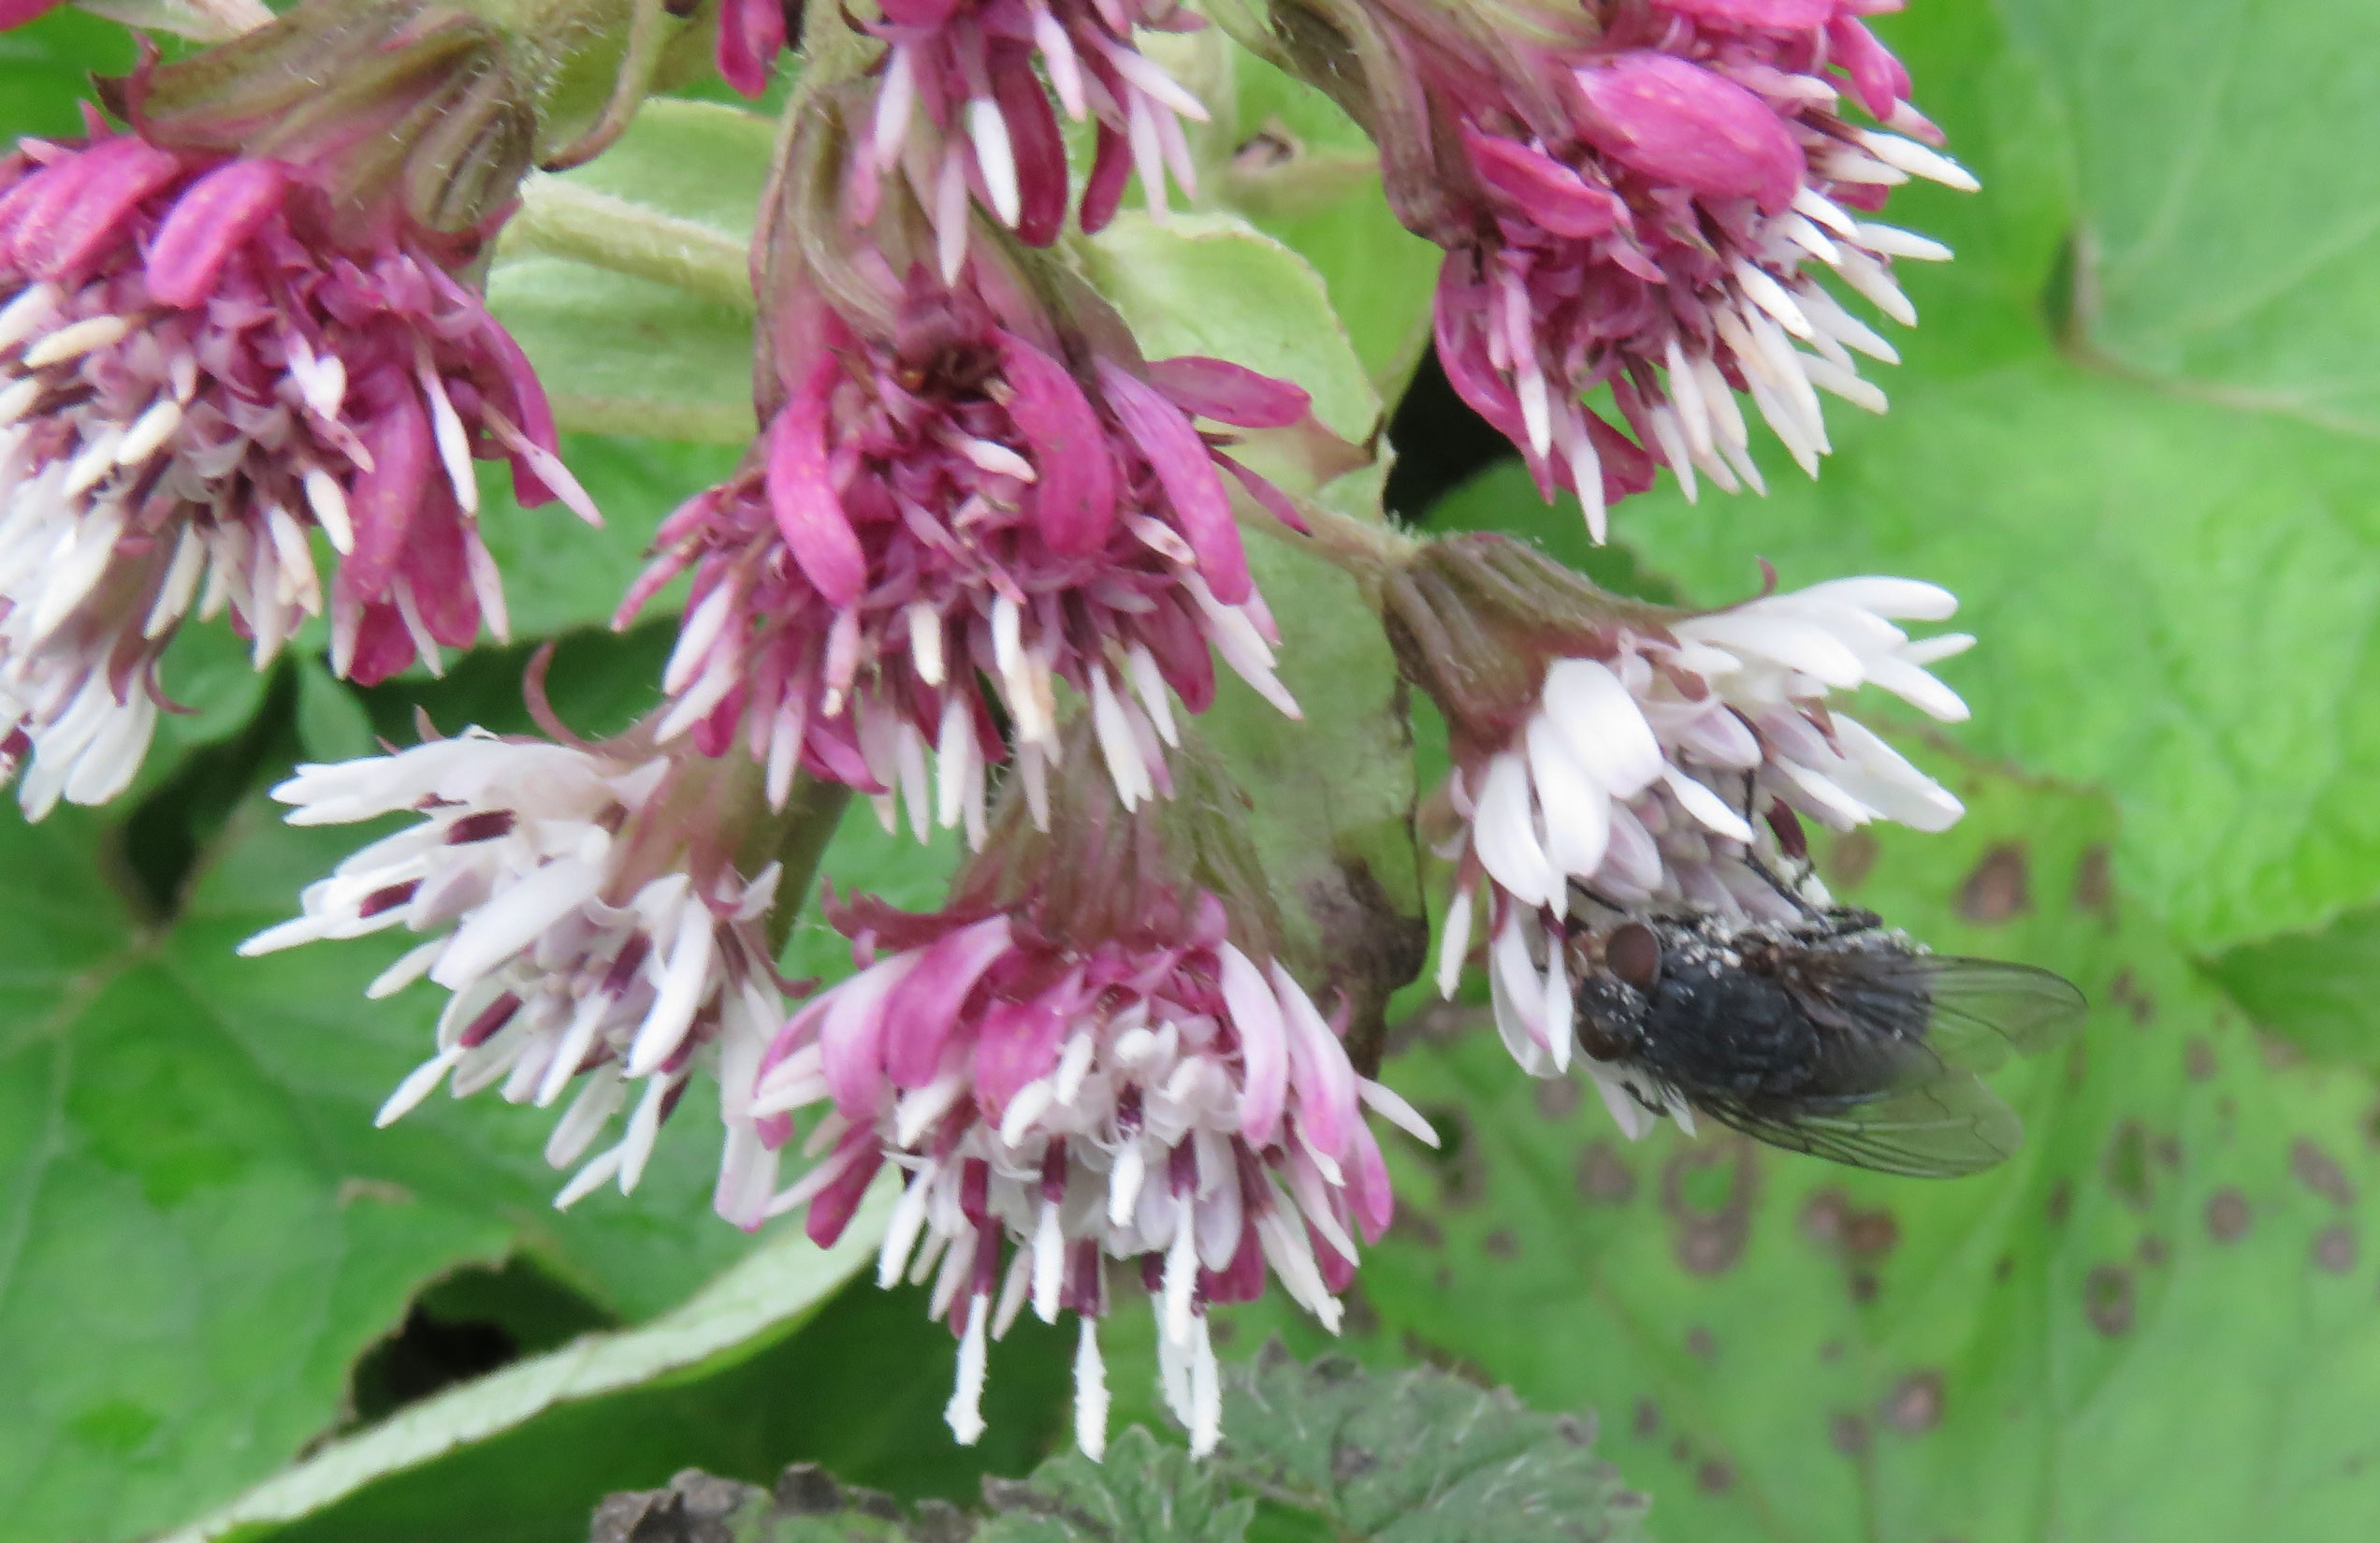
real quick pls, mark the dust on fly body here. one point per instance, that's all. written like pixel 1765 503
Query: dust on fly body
pixel 1829 1034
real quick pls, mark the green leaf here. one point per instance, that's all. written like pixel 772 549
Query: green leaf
pixel 627 280
pixel 1214 285
pixel 1307 175
pixel 187 1269
pixel 2089 1342
pixel 2316 987
pixel 46 69
pixel 1141 1491
pixel 2225 240
pixel 559 575
pixel 761 1298
pixel 1422 1457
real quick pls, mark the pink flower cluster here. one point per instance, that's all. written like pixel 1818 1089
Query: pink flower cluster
pixel 1652 201
pixel 967 496
pixel 202 360
pixel 1066 1081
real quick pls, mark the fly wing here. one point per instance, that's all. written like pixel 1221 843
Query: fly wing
pixel 1985 1009
pixel 1939 1127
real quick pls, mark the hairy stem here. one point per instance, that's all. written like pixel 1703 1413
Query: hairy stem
pixel 561 219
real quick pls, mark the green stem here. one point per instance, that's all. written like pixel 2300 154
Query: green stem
pixel 812 817
pixel 650 30
pixel 1369 550
pixel 561 219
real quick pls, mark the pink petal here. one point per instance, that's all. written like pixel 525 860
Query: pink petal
pixel 1374 1201
pixel 1201 509
pixel 922 14
pixel 1276 502
pixel 1020 1043
pixel 218 212
pixel 1103 190
pixel 1778 14
pixel 1318 1069
pixel 1039 151
pixel 832 1209
pixel 1229 393
pixel 801 492
pixel 1551 193
pixel 110 181
pixel 1264 1051
pixel 382 502
pixel 852 1035
pixel 1074 503
pixel 1879 78
pixel 1682 124
pixel 751 34
pixel 922 1012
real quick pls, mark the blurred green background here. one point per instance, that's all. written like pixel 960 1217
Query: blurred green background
pixel 2134 432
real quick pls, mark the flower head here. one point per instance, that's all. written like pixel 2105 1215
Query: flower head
pixel 965 484
pixel 208 352
pixel 1091 1054
pixel 960 111
pixel 593 911
pixel 1641 197
pixel 751 34
pixel 1613 757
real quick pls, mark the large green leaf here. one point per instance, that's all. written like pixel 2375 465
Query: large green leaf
pixel 46 69
pixel 2225 243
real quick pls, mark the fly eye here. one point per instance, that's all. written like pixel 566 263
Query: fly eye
pixel 1634 955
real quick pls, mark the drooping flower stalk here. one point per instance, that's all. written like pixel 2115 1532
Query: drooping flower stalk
pixel 1639 195
pixel 599 916
pixel 959 485
pixel 1092 1052
pixel 240 323
pixel 1612 757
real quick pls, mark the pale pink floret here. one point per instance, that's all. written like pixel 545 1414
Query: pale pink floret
pixel 951 505
pixel 202 363
pixel 1650 216
pixel 1154 1093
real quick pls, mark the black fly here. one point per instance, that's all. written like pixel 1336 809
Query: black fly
pixel 1830 1034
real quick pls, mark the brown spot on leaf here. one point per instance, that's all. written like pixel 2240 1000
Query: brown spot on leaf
pixel 2107 1299
pixel 1914 1406
pixel 2061 1202
pixel 2000 888
pixel 2094 884
pixel 2151 1250
pixel 2127 1165
pixel 2227 1215
pixel 2334 1249
pixel 1410 1223
pixel 1707 1242
pixel 1700 1344
pixel 2320 1173
pixel 1716 1476
pixel 2003 1267
pixel 2126 992
pixel 2169 1151
pixel 1461 1164
pixel 2197 1058
pixel 1863 1287
pixel 2372 1125
pixel 1681 1451
pixel 1848 1434
pixel 1859 1240
pixel 2278 1053
pixel 1557 1097
pixel 1851 859
pixel 1603 1175
pixel 1647 1421
pixel 1503 1244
